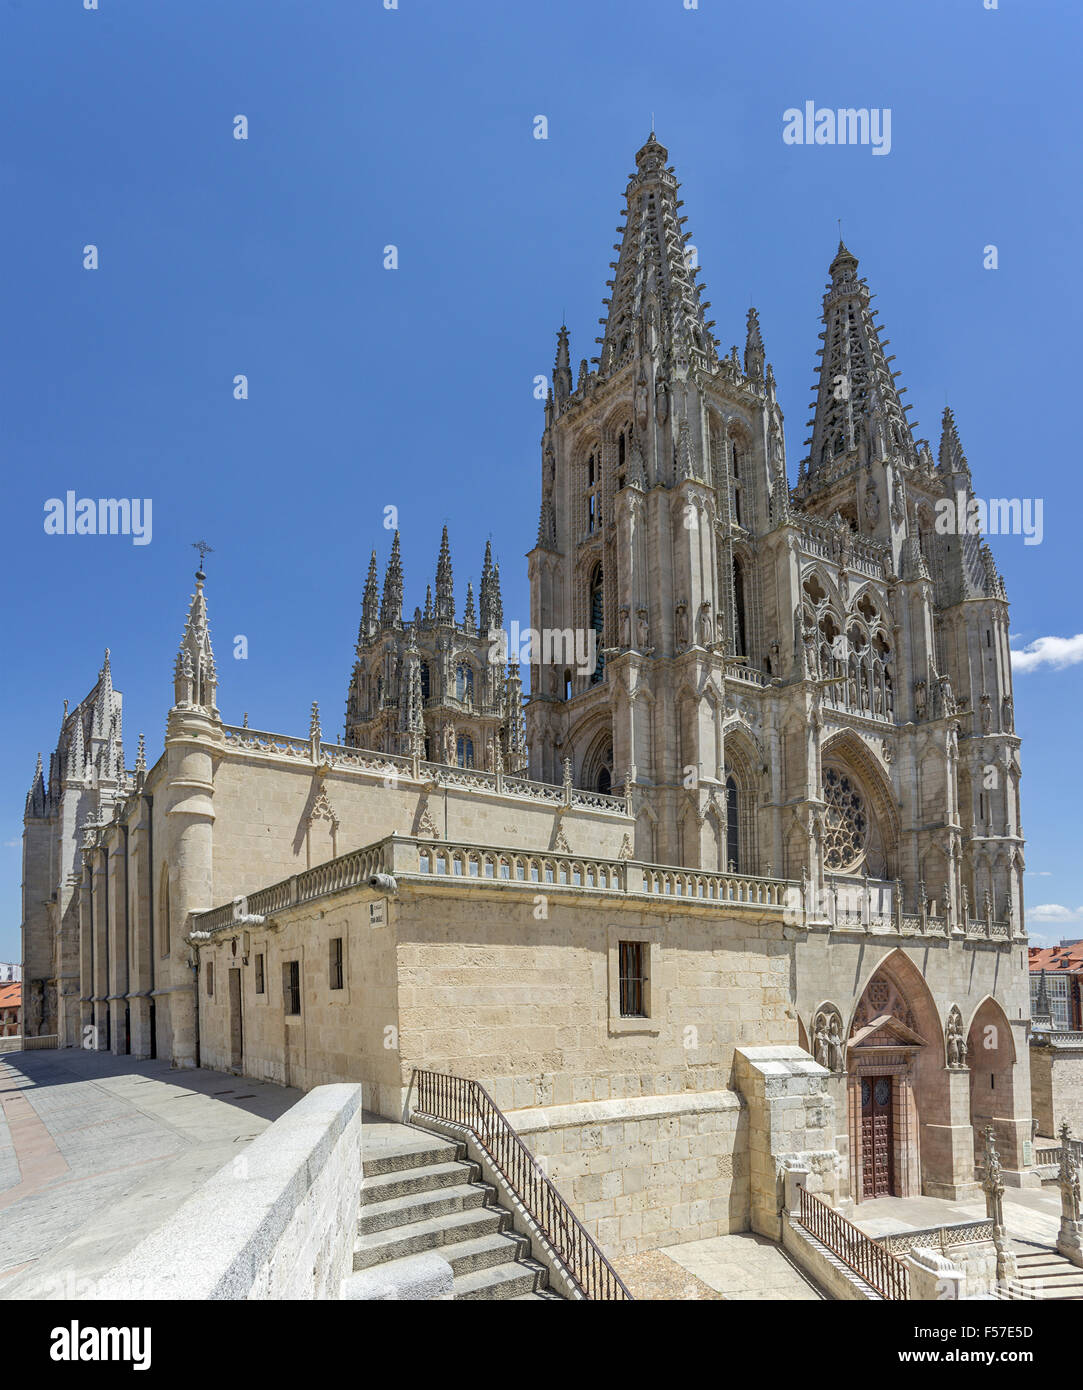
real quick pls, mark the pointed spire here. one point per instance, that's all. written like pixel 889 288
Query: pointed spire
pixel 195 677
pixel 655 302
pixel 952 459
pixel 428 603
pixel 391 606
pixel 562 369
pixel 470 622
pixel 754 353
pixel 370 613
pixel 491 610
pixel 858 406
pixel 514 723
pixel 445 593
pixel 35 797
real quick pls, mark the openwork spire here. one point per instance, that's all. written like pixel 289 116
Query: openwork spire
pixel 562 368
pixel 391 606
pixel 754 353
pixel 655 302
pixel 859 412
pixel 445 592
pixel 195 677
pixel 951 459
pixel 370 604
pixel 491 609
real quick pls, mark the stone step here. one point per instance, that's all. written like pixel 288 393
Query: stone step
pixel 419 1206
pixel 401 1182
pixel 434 1152
pixel 396 1242
pixel 498 1248
pixel 500 1281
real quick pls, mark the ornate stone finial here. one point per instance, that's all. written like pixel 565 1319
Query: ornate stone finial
pixel 314 731
pixel 567 766
pixel 141 758
pixel 245 725
pixel 1070 1236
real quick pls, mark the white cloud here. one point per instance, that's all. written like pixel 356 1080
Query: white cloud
pixel 12 844
pixel 1057 652
pixel 1038 873
pixel 1054 912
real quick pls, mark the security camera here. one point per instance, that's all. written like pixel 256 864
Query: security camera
pixel 385 882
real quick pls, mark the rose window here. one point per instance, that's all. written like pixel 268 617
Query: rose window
pixel 847 824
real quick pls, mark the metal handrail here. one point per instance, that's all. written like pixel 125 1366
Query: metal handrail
pixel 880 1269
pixel 457 1100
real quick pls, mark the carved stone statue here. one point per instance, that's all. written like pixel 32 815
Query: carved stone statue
pixel 681 625
pixel 955 1042
pixel 624 627
pixel 449 744
pixel 920 702
pixel 836 1047
pixel 643 630
pixel 872 506
pixel 828 1047
pixel 820 1044
pixel 706 627
pixel 986 714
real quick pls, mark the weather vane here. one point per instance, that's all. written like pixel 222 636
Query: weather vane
pixel 204 549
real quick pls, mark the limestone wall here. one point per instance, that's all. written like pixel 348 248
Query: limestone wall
pixel 277 1222
pixel 646 1171
pixel 1057 1082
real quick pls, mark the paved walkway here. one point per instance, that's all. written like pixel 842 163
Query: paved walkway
pixel 744 1266
pixel 96 1151
pixel 1031 1217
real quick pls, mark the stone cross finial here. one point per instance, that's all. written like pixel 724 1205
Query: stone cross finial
pixel 204 549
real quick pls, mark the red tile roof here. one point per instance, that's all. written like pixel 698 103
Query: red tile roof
pixel 1057 957
pixel 11 995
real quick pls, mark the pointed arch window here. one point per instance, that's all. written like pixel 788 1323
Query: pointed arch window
pixel 597 622
pixel 740 641
pixel 464 751
pixel 424 680
pixel 738 487
pixel 594 490
pixel 464 684
pixel 733 828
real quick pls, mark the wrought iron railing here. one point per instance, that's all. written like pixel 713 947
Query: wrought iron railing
pixel 881 1270
pixel 459 1101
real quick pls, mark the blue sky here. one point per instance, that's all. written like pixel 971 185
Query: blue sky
pixel 414 387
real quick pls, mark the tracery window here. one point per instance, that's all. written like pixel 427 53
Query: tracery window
pixel 733 830
pixel 846 821
pixel 597 622
pixel 594 490
pixel 464 683
pixel 465 751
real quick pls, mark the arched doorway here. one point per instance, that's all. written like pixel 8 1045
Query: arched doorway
pixel 895 1064
pixel 990 1055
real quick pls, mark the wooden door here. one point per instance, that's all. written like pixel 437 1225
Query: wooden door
pixel 877 1137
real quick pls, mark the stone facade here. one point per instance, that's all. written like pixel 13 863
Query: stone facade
pixel 796 937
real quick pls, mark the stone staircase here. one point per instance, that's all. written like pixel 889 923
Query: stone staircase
pixel 1047 1276
pixel 420 1193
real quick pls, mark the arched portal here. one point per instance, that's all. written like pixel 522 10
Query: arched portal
pixel 990 1055
pixel 895 1083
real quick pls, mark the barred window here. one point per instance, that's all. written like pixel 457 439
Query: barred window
pixel 291 987
pixel 260 983
pixel 336 962
pixel 210 979
pixel 633 979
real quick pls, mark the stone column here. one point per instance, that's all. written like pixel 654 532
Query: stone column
pixel 86 956
pixel 117 886
pixel 100 880
pixel 141 973
pixel 993 1185
pixel 791 1120
pixel 191 739
pixel 1070 1236
pixel 948 1145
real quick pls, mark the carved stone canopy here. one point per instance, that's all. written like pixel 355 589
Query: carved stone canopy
pixel 886 1031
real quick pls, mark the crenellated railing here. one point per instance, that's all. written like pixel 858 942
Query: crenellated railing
pixel 393 768
pixel 455 1100
pixel 868 1259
